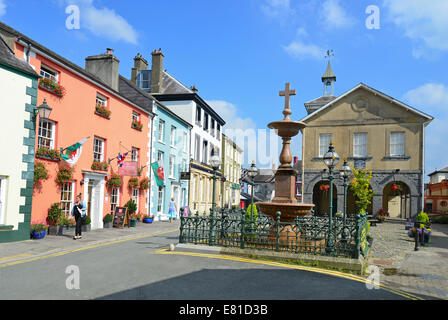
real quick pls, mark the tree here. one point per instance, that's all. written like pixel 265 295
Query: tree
pixel 360 186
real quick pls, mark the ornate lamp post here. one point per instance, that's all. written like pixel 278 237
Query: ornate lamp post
pixel 345 173
pixel 253 172
pixel 215 162
pixel 331 159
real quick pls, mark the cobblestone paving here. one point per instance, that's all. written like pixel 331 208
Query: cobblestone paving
pixel 422 272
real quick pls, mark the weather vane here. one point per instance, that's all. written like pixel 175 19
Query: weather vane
pixel 329 54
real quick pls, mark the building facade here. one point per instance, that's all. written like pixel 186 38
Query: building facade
pixel 18 89
pixel 87 106
pixel 206 127
pixel 232 157
pixel 436 193
pixel 375 132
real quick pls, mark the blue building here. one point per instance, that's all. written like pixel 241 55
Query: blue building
pixel 171 149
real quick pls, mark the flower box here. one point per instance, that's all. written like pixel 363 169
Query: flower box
pixel 100 166
pixel 48 154
pixel 102 111
pixel 137 125
pixel 52 86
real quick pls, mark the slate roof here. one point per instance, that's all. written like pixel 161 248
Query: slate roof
pixel 7 58
pixel 444 170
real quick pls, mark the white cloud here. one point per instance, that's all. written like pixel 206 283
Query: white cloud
pixel 229 113
pixel 425 22
pixel 432 98
pixel 300 50
pixel 104 22
pixel 334 16
pixel 2 8
pixel 277 8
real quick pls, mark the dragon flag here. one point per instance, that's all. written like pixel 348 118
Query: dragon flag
pixel 73 152
pixel 158 172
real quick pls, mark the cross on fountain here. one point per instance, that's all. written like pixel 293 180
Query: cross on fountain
pixel 287 93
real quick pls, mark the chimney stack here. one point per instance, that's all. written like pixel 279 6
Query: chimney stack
pixel 105 67
pixel 156 71
pixel 140 64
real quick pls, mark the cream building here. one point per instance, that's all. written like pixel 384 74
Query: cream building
pixel 373 131
pixel 18 89
pixel 232 157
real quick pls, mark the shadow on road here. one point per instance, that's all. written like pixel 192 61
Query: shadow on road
pixel 253 284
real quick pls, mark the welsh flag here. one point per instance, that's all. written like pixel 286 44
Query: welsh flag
pixel 73 152
pixel 158 172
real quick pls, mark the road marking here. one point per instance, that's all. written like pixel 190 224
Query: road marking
pixel 289 266
pixel 64 252
pixel 15 257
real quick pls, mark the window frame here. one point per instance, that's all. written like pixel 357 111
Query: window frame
pixel 171 166
pixel 173 136
pixel 100 97
pixel 161 131
pixel 114 199
pixel 323 151
pixel 357 145
pixel 394 145
pixel 95 152
pixel 67 211
pixel 39 136
pixel 54 75
pixel 160 199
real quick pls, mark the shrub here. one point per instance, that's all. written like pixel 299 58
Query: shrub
pixel 38 226
pixel 108 218
pixel 360 186
pixel 86 221
pixel 250 215
pixel 131 206
pixel 54 214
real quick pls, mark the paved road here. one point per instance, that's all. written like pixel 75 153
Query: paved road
pixel 137 269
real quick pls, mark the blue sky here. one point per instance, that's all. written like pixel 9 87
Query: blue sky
pixel 239 54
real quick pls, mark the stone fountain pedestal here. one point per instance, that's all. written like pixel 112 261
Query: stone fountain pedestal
pixel 285 177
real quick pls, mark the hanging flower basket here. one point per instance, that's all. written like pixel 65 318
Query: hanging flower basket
pixel 396 187
pixel 324 188
pixel 133 183
pixel 144 184
pixel 65 175
pixel 40 172
pixel 114 181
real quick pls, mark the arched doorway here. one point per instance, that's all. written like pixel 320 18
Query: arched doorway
pixel 397 199
pixel 321 198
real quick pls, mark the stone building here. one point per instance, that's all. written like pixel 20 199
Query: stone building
pixel 373 131
pixel 232 157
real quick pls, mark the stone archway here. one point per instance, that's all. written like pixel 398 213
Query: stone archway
pixel 321 198
pixel 397 199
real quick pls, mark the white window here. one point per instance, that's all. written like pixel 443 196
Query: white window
pixel 160 200
pixel 204 151
pixel 67 198
pixel 101 100
pixel 397 144
pixel 218 132
pixel 324 143
pixel 197 148
pixel 160 157
pixel 185 142
pixel 184 165
pixel 161 130
pixel 98 149
pixel 135 196
pixel 360 144
pixel 134 155
pixel 198 115
pixel 3 185
pixel 143 80
pixel 173 136
pixel 114 200
pixel 205 122
pixel 48 73
pixel 172 161
pixel 46 134
pixel 193 188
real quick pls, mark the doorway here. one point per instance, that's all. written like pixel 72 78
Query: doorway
pixel 94 199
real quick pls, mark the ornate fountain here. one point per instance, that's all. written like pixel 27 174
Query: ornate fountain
pixel 285 177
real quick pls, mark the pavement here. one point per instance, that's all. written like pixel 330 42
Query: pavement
pixel 16 252
pixel 422 272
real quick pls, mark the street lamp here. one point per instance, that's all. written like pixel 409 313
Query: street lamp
pixel 253 172
pixel 215 162
pixel 345 173
pixel 331 159
pixel 44 110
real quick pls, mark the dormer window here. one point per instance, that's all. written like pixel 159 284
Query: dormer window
pixel 48 73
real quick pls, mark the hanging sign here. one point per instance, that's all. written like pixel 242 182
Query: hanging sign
pixel 129 168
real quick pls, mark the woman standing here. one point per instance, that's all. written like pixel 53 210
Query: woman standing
pixel 172 210
pixel 79 212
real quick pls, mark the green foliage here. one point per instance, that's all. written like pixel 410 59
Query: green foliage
pixel 54 214
pixel 132 206
pixel 249 215
pixel 40 172
pixel 66 222
pixel 38 227
pixel 114 181
pixel 133 183
pixel 86 221
pixel 48 153
pixel 65 174
pixel 360 186
pixel 108 218
pixel 423 217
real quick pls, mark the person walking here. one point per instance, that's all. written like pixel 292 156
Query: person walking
pixel 172 210
pixel 79 212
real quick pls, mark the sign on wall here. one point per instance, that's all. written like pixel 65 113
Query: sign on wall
pixel 129 168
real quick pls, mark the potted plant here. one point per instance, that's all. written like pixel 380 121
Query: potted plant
pixel 131 209
pixel 85 226
pixel 139 217
pixel 148 219
pixel 53 219
pixel 38 230
pixel 382 214
pixel 108 220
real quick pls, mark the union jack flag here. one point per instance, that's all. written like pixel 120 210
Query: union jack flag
pixel 121 158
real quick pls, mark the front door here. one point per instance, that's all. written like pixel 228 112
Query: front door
pixel 394 206
pixel 94 201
